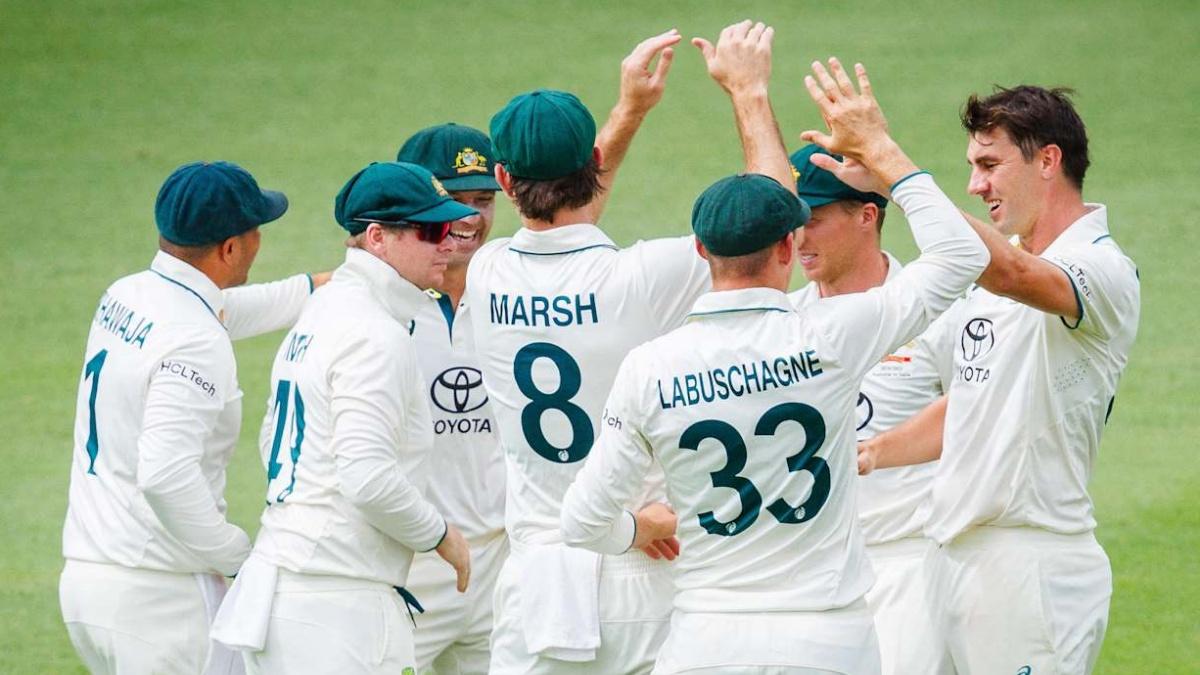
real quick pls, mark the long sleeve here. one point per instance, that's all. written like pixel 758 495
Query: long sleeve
pixel 262 308
pixel 376 436
pixel 593 512
pixel 870 325
pixel 184 403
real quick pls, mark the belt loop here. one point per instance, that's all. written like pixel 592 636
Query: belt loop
pixel 410 603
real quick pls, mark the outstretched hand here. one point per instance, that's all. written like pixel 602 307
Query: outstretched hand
pixel 741 60
pixel 642 88
pixel 852 173
pixel 857 127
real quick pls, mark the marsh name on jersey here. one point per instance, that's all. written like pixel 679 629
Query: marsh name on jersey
pixel 739 379
pixel 539 310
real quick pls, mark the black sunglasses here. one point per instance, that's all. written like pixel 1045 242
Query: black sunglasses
pixel 434 233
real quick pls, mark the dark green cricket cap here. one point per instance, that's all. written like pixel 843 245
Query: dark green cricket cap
pixel 460 157
pixel 819 187
pixel 745 213
pixel 543 135
pixel 208 202
pixel 392 192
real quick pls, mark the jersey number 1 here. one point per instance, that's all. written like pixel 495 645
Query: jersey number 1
pixel 283 423
pixel 540 402
pixel 92 370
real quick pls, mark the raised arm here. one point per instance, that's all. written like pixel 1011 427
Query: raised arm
pixel 641 90
pixel 741 64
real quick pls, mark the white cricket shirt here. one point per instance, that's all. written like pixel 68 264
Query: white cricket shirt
pixel 347 431
pixel 553 314
pixel 750 409
pixel 157 417
pixel 466 468
pixel 1031 393
pixel 893 503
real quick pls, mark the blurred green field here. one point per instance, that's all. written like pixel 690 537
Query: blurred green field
pixel 100 100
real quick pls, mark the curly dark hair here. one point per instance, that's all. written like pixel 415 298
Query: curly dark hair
pixel 541 199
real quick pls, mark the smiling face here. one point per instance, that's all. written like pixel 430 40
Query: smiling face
pixel 1011 186
pixel 469 234
pixel 420 262
pixel 834 238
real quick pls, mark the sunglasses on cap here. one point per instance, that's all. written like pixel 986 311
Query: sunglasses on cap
pixel 434 233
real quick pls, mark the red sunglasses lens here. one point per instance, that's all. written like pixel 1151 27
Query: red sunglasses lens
pixel 434 233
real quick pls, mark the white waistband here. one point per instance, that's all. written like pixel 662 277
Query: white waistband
pixel 115 569
pixel 630 562
pixel 292 581
pixel 982 537
pixel 908 546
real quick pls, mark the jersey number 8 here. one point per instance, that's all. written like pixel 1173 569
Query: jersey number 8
pixel 582 435
pixel 735 451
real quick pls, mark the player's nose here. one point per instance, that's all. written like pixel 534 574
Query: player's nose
pixel 977 185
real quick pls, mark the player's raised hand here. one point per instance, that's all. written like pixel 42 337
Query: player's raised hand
pixel 641 87
pixel 740 62
pixel 852 172
pixel 856 124
pixel 455 551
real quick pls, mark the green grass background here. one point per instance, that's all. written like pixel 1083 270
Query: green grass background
pixel 100 100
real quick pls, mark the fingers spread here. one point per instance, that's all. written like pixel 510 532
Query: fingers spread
pixel 839 74
pixel 827 83
pixel 864 84
pixel 817 94
pixel 813 136
pixel 825 162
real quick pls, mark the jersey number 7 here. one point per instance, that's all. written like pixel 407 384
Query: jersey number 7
pixel 735 451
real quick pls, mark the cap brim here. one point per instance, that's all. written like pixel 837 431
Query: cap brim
pixel 276 204
pixel 814 202
pixel 443 211
pixel 482 181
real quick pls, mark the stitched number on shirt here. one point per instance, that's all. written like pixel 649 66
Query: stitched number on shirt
pixel 92 370
pixel 540 401
pixel 748 494
pixel 735 452
pixel 283 424
pixel 805 460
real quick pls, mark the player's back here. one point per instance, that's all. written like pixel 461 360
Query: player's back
pixel 309 525
pixel 146 325
pixel 750 410
pixel 554 314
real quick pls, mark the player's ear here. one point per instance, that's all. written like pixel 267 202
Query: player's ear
pixel 1050 160
pixel 504 179
pixel 598 156
pixel 786 248
pixel 701 250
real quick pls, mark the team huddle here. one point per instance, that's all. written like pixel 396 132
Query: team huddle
pixel 550 454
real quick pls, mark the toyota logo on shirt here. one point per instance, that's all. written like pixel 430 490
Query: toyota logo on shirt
pixel 458 390
pixel 977 338
pixel 866 411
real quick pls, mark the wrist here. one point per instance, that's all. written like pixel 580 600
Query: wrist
pixel 888 162
pixel 756 92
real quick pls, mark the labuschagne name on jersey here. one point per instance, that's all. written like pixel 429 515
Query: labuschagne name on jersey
pixel 739 379
pixel 459 391
pixel 539 310
pixel 122 321
pixel 976 341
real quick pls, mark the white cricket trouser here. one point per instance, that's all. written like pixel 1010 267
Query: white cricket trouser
pixel 899 600
pixel 1011 600
pixel 326 625
pixel 452 636
pixel 131 621
pixel 832 642
pixel 635 608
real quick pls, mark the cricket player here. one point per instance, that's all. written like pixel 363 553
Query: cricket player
pixel 344 442
pixel 1018 580
pixel 146 541
pixel 750 409
pixel 840 254
pixel 558 306
pixel 466 469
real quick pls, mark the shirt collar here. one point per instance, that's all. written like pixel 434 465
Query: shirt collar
pixel 559 240
pixel 192 280
pixel 1089 228
pixel 399 297
pixel 740 300
pixel 894 267
pixel 812 290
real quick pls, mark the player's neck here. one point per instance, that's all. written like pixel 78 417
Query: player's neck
pixel 561 217
pixel 864 275
pixel 453 284
pixel 1060 212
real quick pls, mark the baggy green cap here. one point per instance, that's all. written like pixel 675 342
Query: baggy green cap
pixel 205 203
pixel 745 213
pixel 543 135
pixel 395 192
pixel 819 187
pixel 461 157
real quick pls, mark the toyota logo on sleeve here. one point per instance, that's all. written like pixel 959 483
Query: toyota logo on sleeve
pixel 977 338
pixel 458 390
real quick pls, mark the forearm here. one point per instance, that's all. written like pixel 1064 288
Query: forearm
pixel 262 308
pixel 762 144
pixel 183 503
pixel 614 141
pixel 914 441
pixel 1019 275
pixel 591 519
